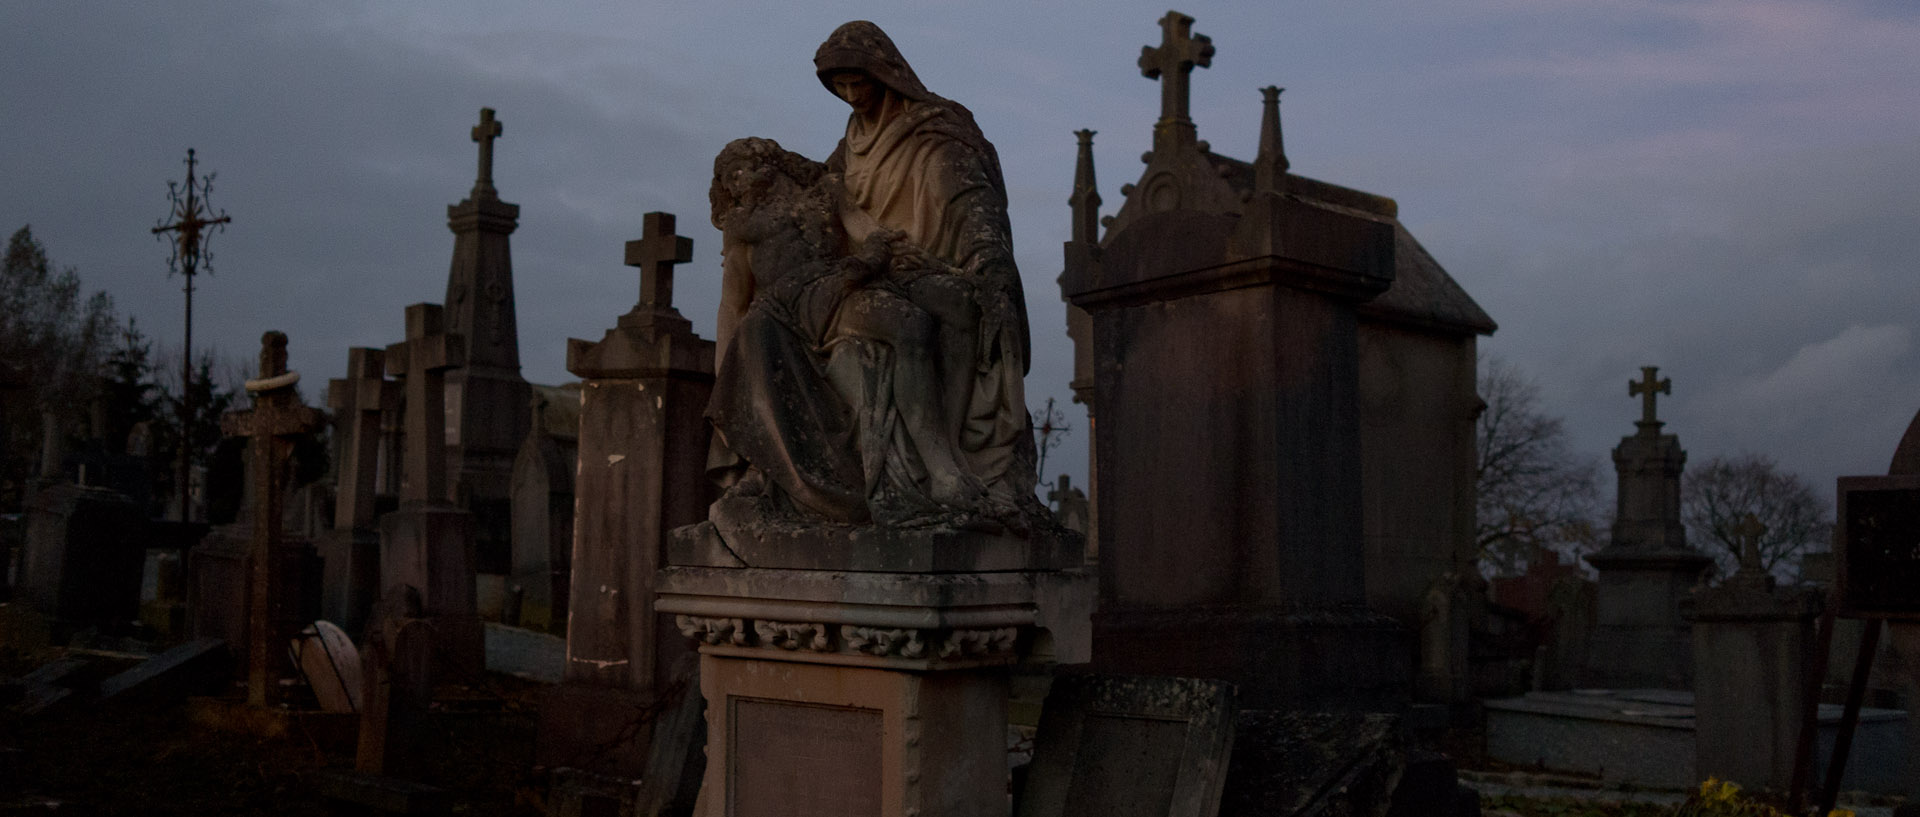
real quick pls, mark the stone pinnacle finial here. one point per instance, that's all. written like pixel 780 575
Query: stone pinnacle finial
pixel 1646 388
pixel 1270 166
pixel 1086 194
pixel 1172 64
pixel 488 130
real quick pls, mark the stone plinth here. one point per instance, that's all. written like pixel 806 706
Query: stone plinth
pixel 429 546
pixel 1750 651
pixel 84 551
pixel 1646 571
pixel 835 693
pixel 351 576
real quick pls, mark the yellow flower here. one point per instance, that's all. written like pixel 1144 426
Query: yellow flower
pixel 1840 812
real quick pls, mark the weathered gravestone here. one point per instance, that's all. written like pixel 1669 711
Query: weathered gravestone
pixel 486 398
pixel 878 558
pixel 427 544
pixel 543 511
pixel 1751 649
pixel 642 458
pixel 1129 745
pixel 1223 303
pixel 281 595
pixel 1647 569
pixel 352 547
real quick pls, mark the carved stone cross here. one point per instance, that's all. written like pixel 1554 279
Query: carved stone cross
pixel 1172 63
pixel 357 401
pixel 1645 389
pixel 276 419
pixel 488 130
pixel 422 361
pixel 655 253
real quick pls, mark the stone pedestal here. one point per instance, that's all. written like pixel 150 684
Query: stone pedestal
pixel 85 548
pixel 1646 571
pixel 429 546
pixel 219 594
pixel 1750 650
pixel 835 693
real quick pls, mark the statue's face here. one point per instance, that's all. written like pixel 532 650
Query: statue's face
pixel 857 89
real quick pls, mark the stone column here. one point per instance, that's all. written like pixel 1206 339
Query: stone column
pixel 1751 645
pixel 642 464
pixel 1648 568
pixel 352 548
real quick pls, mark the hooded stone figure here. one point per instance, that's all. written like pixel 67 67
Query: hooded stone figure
pixel 915 162
pixel 872 329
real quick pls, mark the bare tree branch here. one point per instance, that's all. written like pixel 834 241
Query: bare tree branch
pixel 1719 493
pixel 1533 490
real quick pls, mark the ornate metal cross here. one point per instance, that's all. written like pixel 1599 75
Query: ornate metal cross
pixel 488 130
pixel 655 253
pixel 1645 389
pixel 193 218
pixel 1172 63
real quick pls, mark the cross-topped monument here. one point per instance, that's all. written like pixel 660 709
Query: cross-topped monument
pixel 1646 388
pixel 1172 64
pixel 275 421
pixel 655 253
pixel 1748 532
pixel 488 130
pixel 422 361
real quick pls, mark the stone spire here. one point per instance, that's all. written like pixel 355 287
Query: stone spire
pixel 486 395
pixel 1086 194
pixel 1270 166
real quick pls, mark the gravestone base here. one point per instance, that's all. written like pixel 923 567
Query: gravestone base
pixel 834 693
pixel 218 591
pixel 85 548
pixel 430 548
pixel 351 577
pixel 1341 658
pixel 1640 639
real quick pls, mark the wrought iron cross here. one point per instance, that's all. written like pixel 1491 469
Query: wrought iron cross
pixel 488 130
pixel 1051 428
pixel 1645 389
pixel 655 253
pixel 1172 63
pixel 193 218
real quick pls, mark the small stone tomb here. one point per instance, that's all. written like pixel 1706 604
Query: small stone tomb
pixel 1130 746
pixel 1879 547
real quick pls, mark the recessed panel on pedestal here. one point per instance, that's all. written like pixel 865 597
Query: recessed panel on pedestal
pixel 803 760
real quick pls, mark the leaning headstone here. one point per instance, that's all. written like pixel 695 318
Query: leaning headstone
pixel 279 597
pixel 398 686
pixel 1295 764
pixel 1129 745
pixel 427 544
pixel 197 667
pixel 1647 569
pixel 642 454
pixel 331 664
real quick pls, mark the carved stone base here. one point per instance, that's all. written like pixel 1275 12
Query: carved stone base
pixel 864 693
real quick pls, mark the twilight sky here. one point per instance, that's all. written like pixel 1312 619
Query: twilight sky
pixel 1729 189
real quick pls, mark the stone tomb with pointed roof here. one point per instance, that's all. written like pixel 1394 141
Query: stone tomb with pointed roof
pixel 1282 387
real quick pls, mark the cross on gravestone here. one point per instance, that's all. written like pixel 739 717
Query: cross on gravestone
pixel 276 419
pixel 488 130
pixel 422 361
pixel 1173 62
pixel 655 253
pixel 1645 389
pixel 357 401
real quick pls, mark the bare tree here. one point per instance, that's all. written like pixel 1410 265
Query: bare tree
pixel 1721 492
pixel 1534 490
